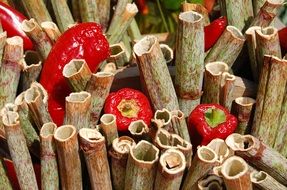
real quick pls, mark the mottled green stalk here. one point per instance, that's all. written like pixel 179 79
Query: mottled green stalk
pixel 78 106
pixel 189 60
pixel 179 125
pixel 259 155
pixel 167 53
pixel 164 116
pixel 89 10
pixel 134 31
pixel 226 91
pixel 49 166
pixel 104 16
pixel 119 153
pixel 10 69
pixel 93 146
pixel 141 166
pixel 118 54
pixel 19 151
pixel 269 99
pixel 154 74
pixel 138 129
pixel 263 180
pixel 257 4
pixel 40 38
pixel 170 170
pixel 227 47
pixel 76 10
pixel 185 7
pixel 62 13
pixel 51 30
pixel 3 37
pixel 36 9
pixel 4 180
pixel 99 88
pixel 77 73
pixel 213 182
pixel 108 127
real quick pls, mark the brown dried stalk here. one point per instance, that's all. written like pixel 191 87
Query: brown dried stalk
pixel 141 166
pixel 62 13
pixel 226 91
pixel 68 157
pixel 211 182
pixel 78 106
pixel 263 180
pixel 179 125
pixel 77 73
pixel 51 30
pixel 3 37
pixel 49 166
pixel 104 17
pixel 167 53
pixel 259 155
pixel 154 74
pixel 36 33
pixel 185 7
pixel 109 128
pixel 221 149
pixel 99 88
pixel 4 180
pixel 118 54
pixel 138 129
pixel 19 151
pixel 36 9
pixel 93 146
pixel 257 4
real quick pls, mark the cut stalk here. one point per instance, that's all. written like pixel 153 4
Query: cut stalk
pixel 165 117
pixel 185 7
pixel 257 4
pixel 226 91
pixel 49 166
pixel 51 30
pixel 227 47
pixel 170 170
pixel 109 128
pixel 211 182
pixel 62 13
pixel 89 10
pixel 77 73
pixel 4 180
pixel 141 166
pixel 36 33
pixel 138 129
pixel 37 9
pixel 221 149
pixel 93 146
pixel 179 125
pixel 134 31
pixel 154 74
pixel 76 10
pixel 118 54
pixel 104 17
pixel 189 60
pixel 68 157
pixel 19 151
pixel 78 106
pixel 119 153
pixel 3 37
pixel 263 180
pixel 259 155
pixel 167 53
pixel 99 87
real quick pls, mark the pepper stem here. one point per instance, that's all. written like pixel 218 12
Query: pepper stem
pixel 128 108
pixel 214 117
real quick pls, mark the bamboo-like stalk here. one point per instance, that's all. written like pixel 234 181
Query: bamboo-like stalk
pixel 236 175
pixel 37 106
pixel 19 151
pixel 7 107
pixel 36 33
pixel 10 69
pixel 179 125
pixel 138 129
pixel 211 182
pixel 109 128
pixel 36 9
pixel 49 165
pixel 141 166
pixel 77 73
pixel 154 74
pixel 51 30
pixel 119 153
pixel 68 157
pixel 99 87
pixel 259 155
pixel 127 43
pixel 110 68
pixel 123 21
pixel 221 149
pixel 134 31
pixel 239 13
pixel 204 160
pixel 89 11
pixel 118 54
pixel 263 180
pixel 42 91
pixel 227 47
pixel 269 100
pixel 32 66
pixel 62 13
pixel 104 17
pixel 167 52
pixel 185 7
pixel 257 4
pixel 170 170
pixel 164 115
pixel 267 13
pixel 76 10
pixel 4 180
pixel 189 60
pixel 243 108
pixel 3 37
pixel 78 106
pixel 226 91
pixel 93 146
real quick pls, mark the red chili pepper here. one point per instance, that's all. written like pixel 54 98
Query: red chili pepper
pixel 11 21
pixel 213 31
pixel 142 5
pixel 128 105
pixel 210 121
pixel 83 41
pixel 283 39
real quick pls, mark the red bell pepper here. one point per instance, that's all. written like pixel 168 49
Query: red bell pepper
pixel 283 39
pixel 213 31
pixel 142 5
pixel 209 4
pixel 11 21
pixel 83 41
pixel 210 121
pixel 128 105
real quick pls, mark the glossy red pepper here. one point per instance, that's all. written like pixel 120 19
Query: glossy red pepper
pixel 283 39
pixel 213 31
pixel 83 41
pixel 210 121
pixel 142 6
pixel 128 105
pixel 11 21
pixel 209 4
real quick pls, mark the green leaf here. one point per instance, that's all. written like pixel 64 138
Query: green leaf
pixel 196 1
pixel 214 117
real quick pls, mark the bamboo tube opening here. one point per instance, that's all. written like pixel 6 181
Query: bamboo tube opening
pixel 275 2
pixel 216 68
pixel 267 33
pixel 137 127
pixel 80 97
pixel 190 16
pixel 234 167
pixel 163 115
pixel 73 67
pixel 31 95
pixel 110 68
pixel 211 182
pixel 145 152
pixel 10 118
pixel 179 142
pixel 123 144
pixel 131 8
pixel 258 177
pixel 91 135
pixel 32 58
pixel 13 50
pixel 240 142
pixel 64 132
pixel 163 137
pixel 11 107
pixel 15 41
pixel 235 32
pixel 49 24
pixel 172 161
pixel 48 129
pixel 245 101
pixel 28 25
pixel 227 77
pixel 220 148
pixel 104 74
pixel 145 45
pixel 167 52
pixel 206 154
pixel 108 119
pixel 41 90
pixel 177 113
pixel 116 49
